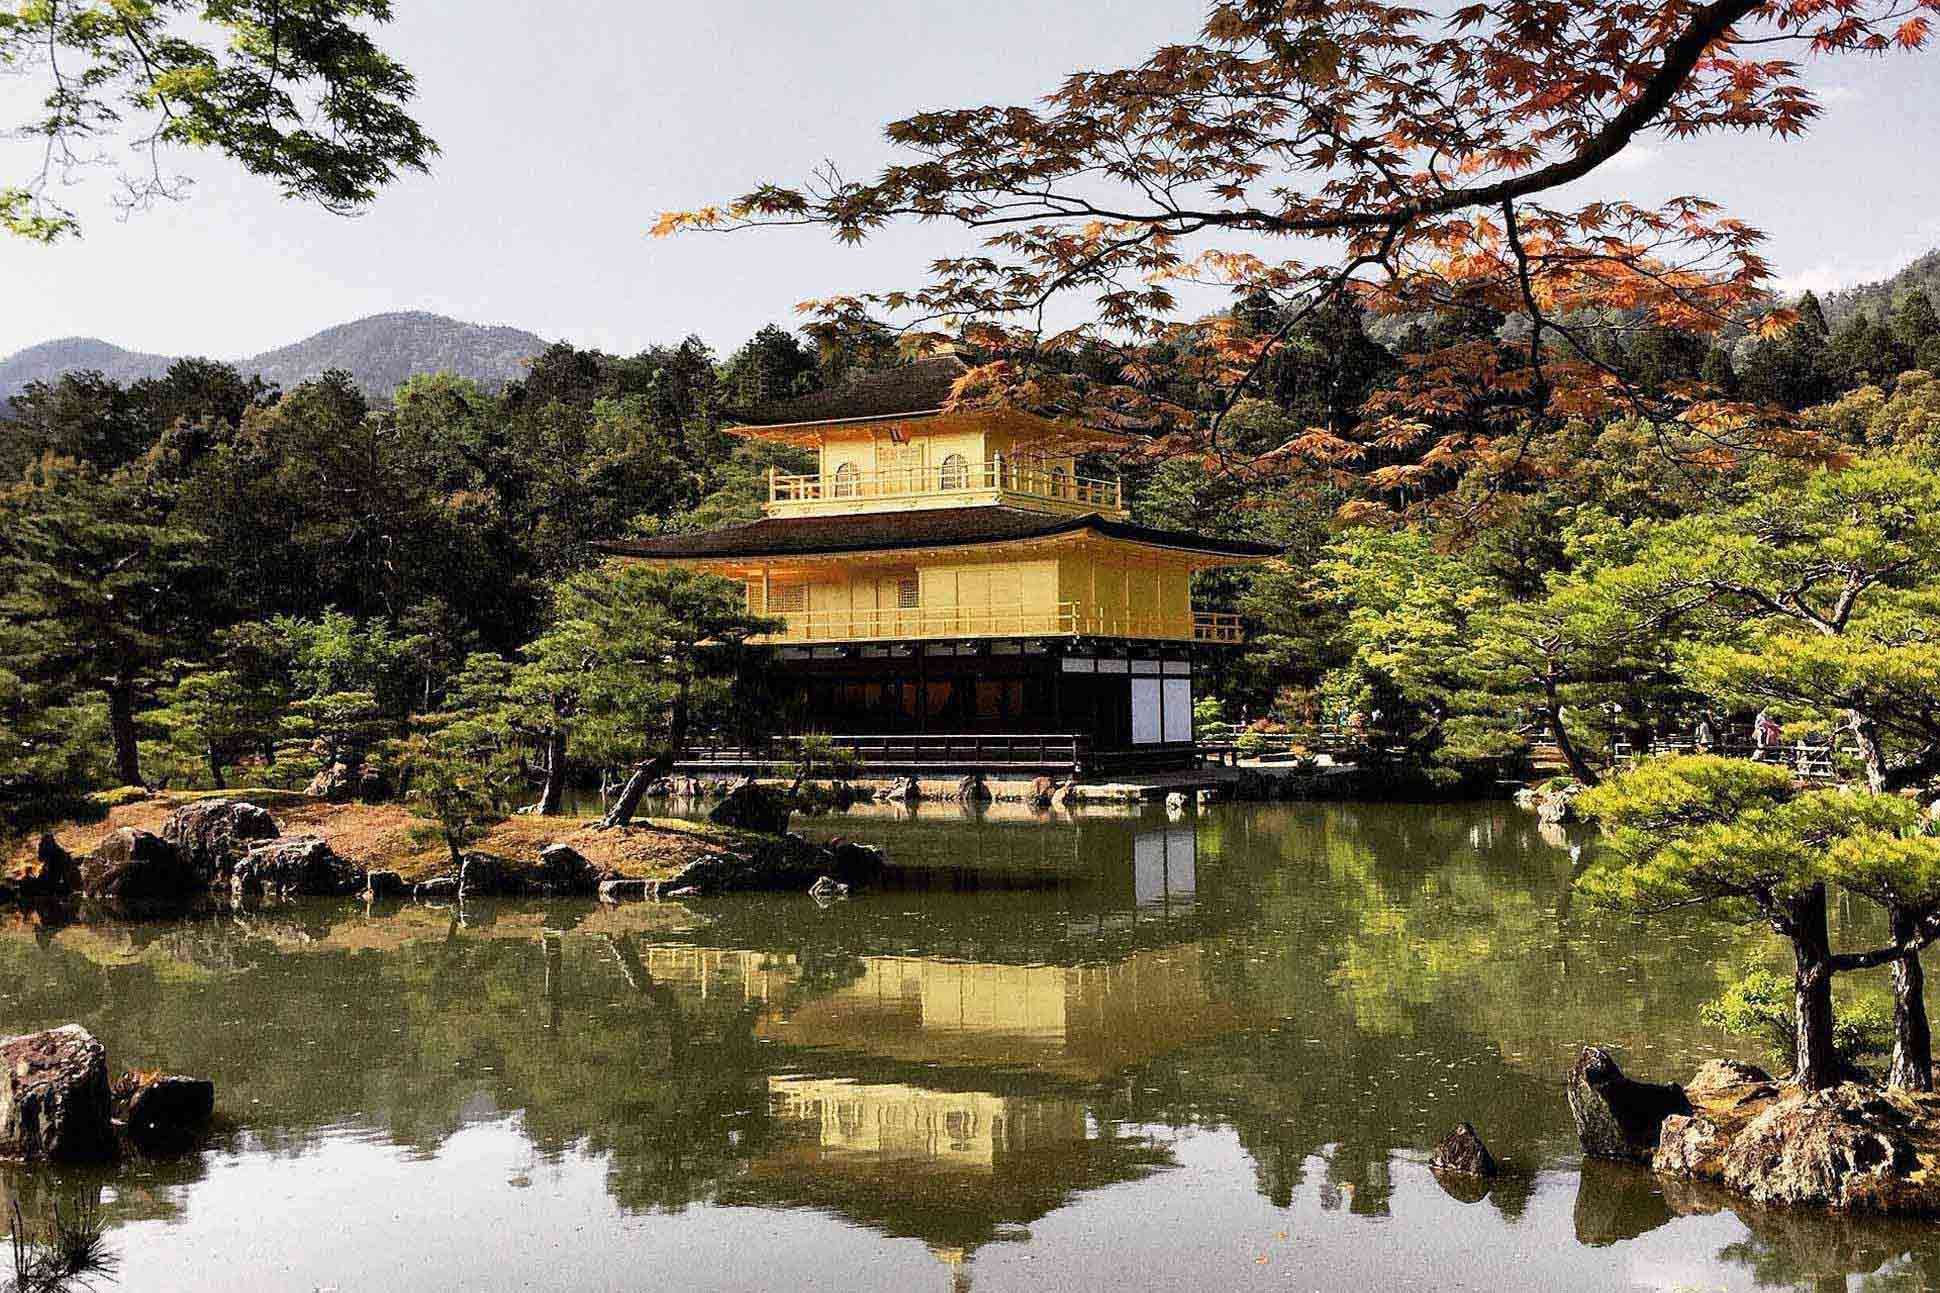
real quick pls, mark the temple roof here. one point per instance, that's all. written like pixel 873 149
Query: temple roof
pixel 802 536
pixel 919 387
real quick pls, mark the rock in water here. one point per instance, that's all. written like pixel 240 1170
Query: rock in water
pixel 1041 792
pixel 563 869
pixel 54 1098
pixel 1175 803
pixel 486 875
pixel 52 874
pixel 972 790
pixel 622 889
pixel 1616 1117
pixel 1846 1148
pixel 212 835
pixel 1461 1151
pixel 163 1114
pixel 136 866
pixel 1691 1147
pixel 825 890
pixel 301 867
pixel 750 806
pixel 384 884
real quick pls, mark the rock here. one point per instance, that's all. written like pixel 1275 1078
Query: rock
pixel 856 863
pixel 1175 802
pixel 54 1098
pixel 1616 1117
pixel 52 874
pixel 163 1114
pixel 563 869
pixel 212 835
pixel 1462 1152
pixel 824 889
pixel 972 790
pixel 136 866
pixel 1846 1148
pixel 304 866
pixel 622 889
pixel 1529 799
pixel 1558 807
pixel 750 806
pixel 438 886
pixel 337 783
pixel 486 875
pixel 1040 793
pixel 1690 1146
pixel 373 786
pixel 903 790
pixel 1720 1075
pixel 1061 797
pixel 384 884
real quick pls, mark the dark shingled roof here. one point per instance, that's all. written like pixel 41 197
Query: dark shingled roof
pixel 919 387
pixel 927 528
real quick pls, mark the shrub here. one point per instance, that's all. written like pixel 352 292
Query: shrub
pixel 1759 1006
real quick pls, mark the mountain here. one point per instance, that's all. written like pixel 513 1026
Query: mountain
pixel 1877 299
pixel 381 352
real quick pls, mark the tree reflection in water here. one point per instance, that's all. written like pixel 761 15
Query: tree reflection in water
pixel 957 1059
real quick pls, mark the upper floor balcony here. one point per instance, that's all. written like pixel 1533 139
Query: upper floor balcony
pixel 956 481
pixel 1063 619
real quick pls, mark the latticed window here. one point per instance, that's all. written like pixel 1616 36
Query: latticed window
pixel 788 599
pixel 907 591
pixel 846 477
pixel 955 472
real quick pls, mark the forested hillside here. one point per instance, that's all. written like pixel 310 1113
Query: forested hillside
pixel 380 353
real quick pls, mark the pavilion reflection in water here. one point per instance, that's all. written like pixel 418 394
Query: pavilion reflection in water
pixel 950 1099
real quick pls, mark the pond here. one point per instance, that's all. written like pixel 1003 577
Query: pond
pixel 1116 1052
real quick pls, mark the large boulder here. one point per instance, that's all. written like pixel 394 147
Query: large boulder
pixel 1615 1116
pixel 1558 807
pixel 52 874
pixel 1846 1148
pixel 563 869
pixel 486 875
pixel 972 789
pixel 751 806
pixel 1041 792
pixel 163 1113
pixel 212 835
pixel 303 866
pixel 54 1097
pixel 137 866
pixel 1690 1146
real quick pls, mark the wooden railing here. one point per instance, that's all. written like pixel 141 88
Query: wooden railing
pixel 1045 751
pixel 996 474
pixel 1065 619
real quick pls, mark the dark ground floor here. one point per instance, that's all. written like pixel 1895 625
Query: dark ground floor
pixel 995 704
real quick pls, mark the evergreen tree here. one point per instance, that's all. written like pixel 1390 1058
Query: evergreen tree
pixel 99 589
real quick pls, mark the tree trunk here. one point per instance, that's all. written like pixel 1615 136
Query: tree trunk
pixel 1912 1034
pixel 121 723
pixel 457 855
pixel 1817 1063
pixel 215 771
pixel 553 798
pixel 645 774
pixel 1866 732
pixel 1553 707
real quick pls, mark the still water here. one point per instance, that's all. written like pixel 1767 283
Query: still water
pixel 1116 1052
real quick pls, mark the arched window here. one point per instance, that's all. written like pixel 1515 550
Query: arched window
pixel 955 472
pixel 846 477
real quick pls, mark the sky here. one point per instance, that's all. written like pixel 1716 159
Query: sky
pixel 566 129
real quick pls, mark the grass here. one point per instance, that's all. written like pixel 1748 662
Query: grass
pixel 391 837
pixel 69 1252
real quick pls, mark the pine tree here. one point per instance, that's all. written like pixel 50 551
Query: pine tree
pixel 99 590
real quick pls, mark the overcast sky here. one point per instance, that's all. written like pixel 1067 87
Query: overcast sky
pixel 567 127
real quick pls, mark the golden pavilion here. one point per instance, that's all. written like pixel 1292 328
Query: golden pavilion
pixel 957 594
